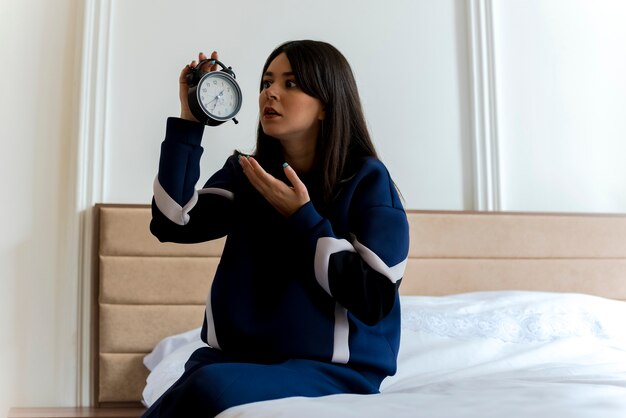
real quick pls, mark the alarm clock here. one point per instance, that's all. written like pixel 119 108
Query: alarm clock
pixel 214 97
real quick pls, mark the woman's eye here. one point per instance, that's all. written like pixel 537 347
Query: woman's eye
pixel 266 84
pixel 291 83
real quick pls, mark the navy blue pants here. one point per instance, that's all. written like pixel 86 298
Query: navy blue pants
pixel 213 382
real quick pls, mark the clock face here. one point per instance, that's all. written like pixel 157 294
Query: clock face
pixel 219 95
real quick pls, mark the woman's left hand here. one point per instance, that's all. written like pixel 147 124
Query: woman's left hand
pixel 287 200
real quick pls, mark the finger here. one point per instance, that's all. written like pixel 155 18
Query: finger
pixel 260 179
pixel 256 166
pixel 293 178
pixel 244 163
pixel 248 170
pixel 206 66
pixel 257 175
pixel 214 57
pixel 183 74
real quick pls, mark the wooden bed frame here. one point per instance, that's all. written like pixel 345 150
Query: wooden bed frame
pixel 148 290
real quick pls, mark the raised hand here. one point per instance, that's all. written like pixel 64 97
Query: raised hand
pixel 287 200
pixel 185 112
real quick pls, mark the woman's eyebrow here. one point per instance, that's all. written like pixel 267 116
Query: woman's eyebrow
pixel 271 74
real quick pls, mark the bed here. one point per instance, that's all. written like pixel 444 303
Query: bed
pixel 503 314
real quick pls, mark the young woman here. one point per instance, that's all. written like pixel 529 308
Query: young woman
pixel 305 299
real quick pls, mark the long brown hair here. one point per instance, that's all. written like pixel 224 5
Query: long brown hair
pixel 321 71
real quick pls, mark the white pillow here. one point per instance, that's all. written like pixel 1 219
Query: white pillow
pixel 514 316
pixel 477 334
pixel 169 369
pixel 168 345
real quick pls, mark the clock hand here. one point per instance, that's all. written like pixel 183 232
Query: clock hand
pixel 220 94
pixel 216 100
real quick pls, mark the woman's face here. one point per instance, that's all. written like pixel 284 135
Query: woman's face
pixel 286 112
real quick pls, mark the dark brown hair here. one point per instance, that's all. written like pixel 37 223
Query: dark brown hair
pixel 321 71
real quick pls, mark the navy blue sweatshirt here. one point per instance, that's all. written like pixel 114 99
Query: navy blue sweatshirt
pixel 310 286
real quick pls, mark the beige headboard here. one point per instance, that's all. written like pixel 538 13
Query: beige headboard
pixel 148 290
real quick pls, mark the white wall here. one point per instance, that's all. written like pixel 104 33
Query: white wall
pixel 561 103
pixel 409 60
pixel 40 41
pixel 558 102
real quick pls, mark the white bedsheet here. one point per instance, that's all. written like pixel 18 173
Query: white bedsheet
pixel 485 354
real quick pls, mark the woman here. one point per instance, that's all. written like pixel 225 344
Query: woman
pixel 305 299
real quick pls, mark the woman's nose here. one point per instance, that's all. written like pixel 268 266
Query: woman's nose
pixel 271 92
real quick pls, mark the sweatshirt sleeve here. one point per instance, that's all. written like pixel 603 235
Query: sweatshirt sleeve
pixel 180 212
pixel 361 271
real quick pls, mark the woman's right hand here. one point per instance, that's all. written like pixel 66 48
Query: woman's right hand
pixel 185 112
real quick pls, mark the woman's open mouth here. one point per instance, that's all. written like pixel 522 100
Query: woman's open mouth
pixel 270 113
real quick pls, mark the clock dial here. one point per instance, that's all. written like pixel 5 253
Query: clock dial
pixel 219 95
pixel 213 97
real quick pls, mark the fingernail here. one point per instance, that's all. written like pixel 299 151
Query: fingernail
pixel 285 165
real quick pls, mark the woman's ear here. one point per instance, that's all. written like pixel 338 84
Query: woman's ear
pixel 322 114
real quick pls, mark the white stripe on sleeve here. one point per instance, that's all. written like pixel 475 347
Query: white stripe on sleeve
pixel 393 273
pixel 327 246
pixel 341 338
pixel 211 335
pixel 221 192
pixel 180 214
pixel 169 207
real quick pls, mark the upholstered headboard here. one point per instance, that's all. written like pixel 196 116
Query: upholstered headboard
pixel 148 290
